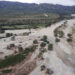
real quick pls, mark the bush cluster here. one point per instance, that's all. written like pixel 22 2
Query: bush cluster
pixel 50 47
pixel 43 44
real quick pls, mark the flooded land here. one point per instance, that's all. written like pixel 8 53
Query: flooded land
pixel 44 51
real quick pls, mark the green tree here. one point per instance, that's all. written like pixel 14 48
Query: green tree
pixel 43 44
pixel 50 47
pixel 57 40
pixel 35 41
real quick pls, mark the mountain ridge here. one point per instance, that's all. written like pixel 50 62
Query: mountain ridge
pixel 7 7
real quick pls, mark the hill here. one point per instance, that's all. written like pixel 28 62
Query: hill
pixel 16 15
pixel 18 8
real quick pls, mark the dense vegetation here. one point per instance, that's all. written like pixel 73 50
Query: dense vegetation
pixel 15 59
pixel 12 60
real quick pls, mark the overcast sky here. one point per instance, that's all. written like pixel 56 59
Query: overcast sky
pixel 63 2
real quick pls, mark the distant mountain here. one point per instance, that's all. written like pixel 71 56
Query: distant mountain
pixel 7 7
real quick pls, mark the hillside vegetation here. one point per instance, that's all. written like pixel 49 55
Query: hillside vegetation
pixel 28 21
pixel 25 8
pixel 15 15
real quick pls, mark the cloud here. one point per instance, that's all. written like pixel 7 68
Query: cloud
pixel 63 2
pixel 73 0
pixel 28 1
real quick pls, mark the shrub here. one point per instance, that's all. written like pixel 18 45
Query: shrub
pixel 35 41
pixel 25 34
pixel 55 35
pixel 43 44
pixel 6 71
pixel 58 33
pixel 55 32
pixel 29 49
pixel 61 34
pixel 47 42
pixel 69 35
pixel 43 67
pixel 20 49
pixel 57 40
pixel 8 34
pixel 26 51
pixel 32 48
pixel 49 71
pixel 50 47
pixel 10 46
pixel 69 40
pixel 44 38
pixel 42 58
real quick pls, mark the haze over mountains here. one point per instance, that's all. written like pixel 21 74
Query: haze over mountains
pixel 7 7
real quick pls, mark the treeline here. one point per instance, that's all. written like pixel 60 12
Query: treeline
pixel 32 21
pixel 29 19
